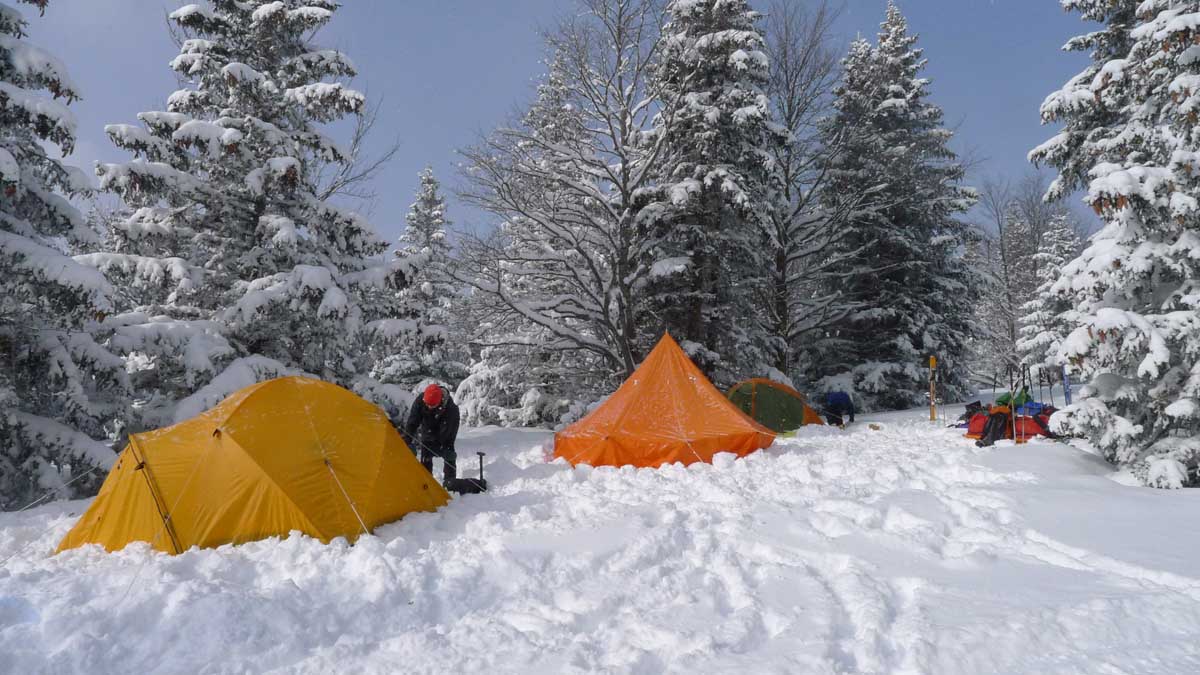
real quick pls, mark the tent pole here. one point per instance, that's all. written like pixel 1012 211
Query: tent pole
pixel 144 469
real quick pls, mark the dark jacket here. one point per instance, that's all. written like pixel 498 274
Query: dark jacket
pixel 838 403
pixel 433 429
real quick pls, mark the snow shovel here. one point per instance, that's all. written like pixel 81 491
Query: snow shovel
pixel 469 486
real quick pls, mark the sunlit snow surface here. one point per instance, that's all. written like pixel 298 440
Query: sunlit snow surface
pixel 898 550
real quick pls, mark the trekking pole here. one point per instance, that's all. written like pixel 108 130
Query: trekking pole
pixel 480 466
pixel 1013 376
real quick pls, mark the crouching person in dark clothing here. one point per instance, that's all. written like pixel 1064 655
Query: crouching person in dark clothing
pixel 431 429
pixel 837 407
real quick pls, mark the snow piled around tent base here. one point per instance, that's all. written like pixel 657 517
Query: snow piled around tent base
pixel 899 550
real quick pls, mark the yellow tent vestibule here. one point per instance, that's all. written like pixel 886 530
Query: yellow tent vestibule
pixel 288 454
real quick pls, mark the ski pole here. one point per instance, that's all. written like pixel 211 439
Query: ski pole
pixel 1013 376
pixel 1050 384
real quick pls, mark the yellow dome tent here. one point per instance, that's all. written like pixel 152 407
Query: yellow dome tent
pixel 292 453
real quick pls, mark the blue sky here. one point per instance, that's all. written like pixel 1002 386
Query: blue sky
pixel 448 70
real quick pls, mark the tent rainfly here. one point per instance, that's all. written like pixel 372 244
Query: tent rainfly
pixel 288 454
pixel 666 412
pixel 773 404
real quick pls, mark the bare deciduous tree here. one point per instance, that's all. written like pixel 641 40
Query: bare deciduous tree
pixel 568 183
pixel 1018 219
pixel 805 228
pixel 998 206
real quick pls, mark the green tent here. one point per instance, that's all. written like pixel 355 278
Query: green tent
pixel 776 406
pixel 1023 397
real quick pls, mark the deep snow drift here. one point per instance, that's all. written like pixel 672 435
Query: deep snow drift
pixel 903 549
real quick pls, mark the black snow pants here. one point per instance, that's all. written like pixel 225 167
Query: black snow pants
pixel 428 450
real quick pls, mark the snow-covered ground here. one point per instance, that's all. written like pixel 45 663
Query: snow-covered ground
pixel 898 550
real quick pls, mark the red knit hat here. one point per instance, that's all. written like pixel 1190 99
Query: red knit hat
pixel 433 396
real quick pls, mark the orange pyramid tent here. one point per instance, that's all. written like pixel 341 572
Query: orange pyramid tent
pixel 666 412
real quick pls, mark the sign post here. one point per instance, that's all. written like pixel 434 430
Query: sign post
pixel 932 389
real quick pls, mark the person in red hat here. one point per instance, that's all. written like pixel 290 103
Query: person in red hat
pixel 431 430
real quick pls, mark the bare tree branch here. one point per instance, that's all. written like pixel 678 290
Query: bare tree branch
pixel 353 179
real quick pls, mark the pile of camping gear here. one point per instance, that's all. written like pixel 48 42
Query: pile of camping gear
pixel 1014 415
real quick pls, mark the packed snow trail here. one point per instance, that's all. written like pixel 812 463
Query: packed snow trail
pixel 899 550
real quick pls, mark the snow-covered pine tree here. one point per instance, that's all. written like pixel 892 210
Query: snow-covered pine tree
pixel 710 213
pixel 1072 150
pixel 59 386
pixel 1131 137
pixel 427 221
pixel 1042 327
pixel 248 273
pixel 511 384
pixel 907 281
pixel 846 176
pixel 427 350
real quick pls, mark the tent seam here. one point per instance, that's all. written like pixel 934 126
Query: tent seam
pixel 679 412
pixel 325 456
